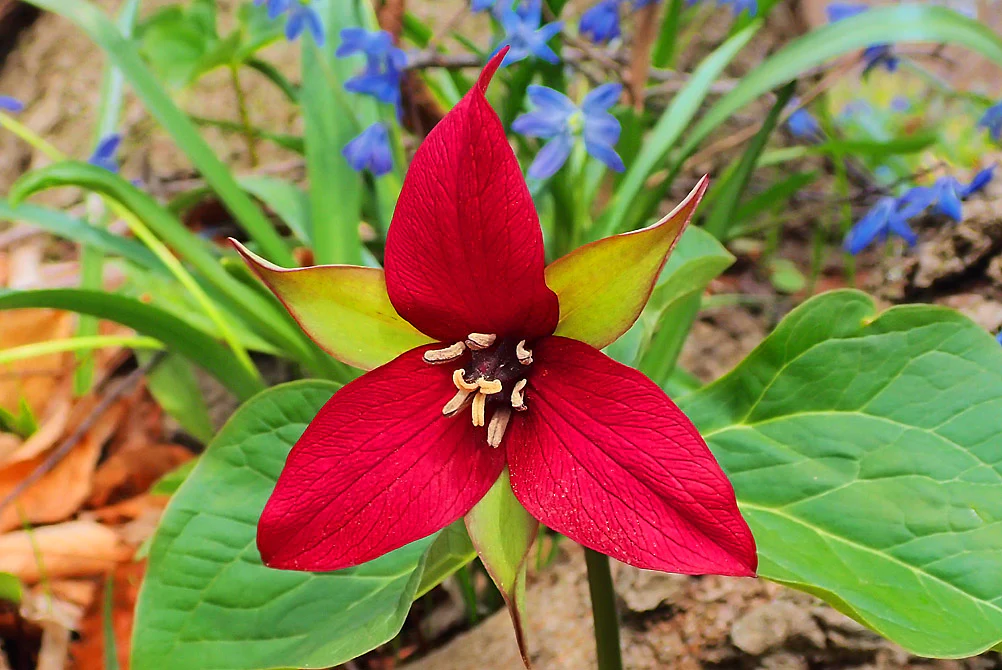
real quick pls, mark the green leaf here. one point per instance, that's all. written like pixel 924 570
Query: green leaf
pixel 10 588
pixel 604 286
pixel 864 450
pixel 124 55
pixel 58 223
pixel 503 532
pixel 173 384
pixel 345 309
pixel 179 336
pixel 899 24
pixel 450 552
pixel 286 200
pixel 673 122
pixel 785 276
pixel 208 602
pixel 171 482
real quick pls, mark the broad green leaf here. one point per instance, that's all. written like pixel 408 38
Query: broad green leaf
pixel 179 336
pixel 10 588
pixel 58 223
pixel 865 452
pixel 171 482
pixel 345 309
pixel 173 384
pixel 503 532
pixel 208 602
pixel 125 56
pixel 896 23
pixel 785 276
pixel 603 286
pixel 451 551
pixel 673 122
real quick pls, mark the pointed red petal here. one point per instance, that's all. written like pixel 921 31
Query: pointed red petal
pixel 464 253
pixel 604 457
pixel 377 468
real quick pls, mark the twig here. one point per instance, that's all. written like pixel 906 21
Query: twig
pixel 74 438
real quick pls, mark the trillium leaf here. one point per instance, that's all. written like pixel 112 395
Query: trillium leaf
pixel 208 602
pixel 865 450
pixel 451 551
pixel 502 532
pixel 344 309
pixel 604 286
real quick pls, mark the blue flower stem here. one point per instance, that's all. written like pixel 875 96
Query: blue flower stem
pixel 603 609
pixel 245 121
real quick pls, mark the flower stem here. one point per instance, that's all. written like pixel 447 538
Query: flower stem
pixel 603 608
pixel 244 116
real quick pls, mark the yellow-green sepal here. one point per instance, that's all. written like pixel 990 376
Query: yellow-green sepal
pixel 604 286
pixel 502 533
pixel 343 308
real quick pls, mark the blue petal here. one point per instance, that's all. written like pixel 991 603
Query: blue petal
pixel 980 180
pixel 539 124
pixel 551 157
pixel 481 5
pixel 915 201
pixel 899 226
pixel 370 150
pixel 315 26
pixel 992 121
pixel 277 7
pixel 9 104
pixel 600 23
pixel 843 10
pixel 602 98
pixel 104 152
pixel 947 199
pixel 550 101
pixel 294 26
pixel 998 338
pixel 605 153
pixel 542 51
pixel 602 128
pixel 873 225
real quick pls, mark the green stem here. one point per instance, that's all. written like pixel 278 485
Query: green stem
pixel 603 608
pixel 249 134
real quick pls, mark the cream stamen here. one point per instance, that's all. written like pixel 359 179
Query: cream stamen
pixel 445 355
pixel 498 425
pixel 458 402
pixel 460 381
pixel 480 341
pixel 479 407
pixel 517 399
pixel 489 387
pixel 524 355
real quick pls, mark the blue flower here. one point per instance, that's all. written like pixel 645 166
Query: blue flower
pixel 370 151
pixel 874 55
pixel 998 338
pixel 559 120
pixel 800 123
pixel 992 121
pixel 637 4
pixel 525 36
pixel 481 5
pixel 737 6
pixel 600 24
pixel 104 153
pixel 945 195
pixel 883 219
pixel 303 16
pixel 275 7
pixel 384 64
pixel 9 104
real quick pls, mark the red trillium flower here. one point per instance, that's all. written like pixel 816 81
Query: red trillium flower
pixel 493 377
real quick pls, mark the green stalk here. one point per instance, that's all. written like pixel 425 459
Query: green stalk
pixel 603 609
pixel 249 135
pixel 77 344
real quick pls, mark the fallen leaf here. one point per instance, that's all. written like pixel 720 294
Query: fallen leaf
pixel 88 651
pixel 35 378
pixel 70 549
pixel 130 472
pixel 61 491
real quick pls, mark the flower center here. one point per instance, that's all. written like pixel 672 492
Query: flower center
pixel 575 122
pixel 494 377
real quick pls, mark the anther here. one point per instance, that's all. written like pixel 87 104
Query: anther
pixel 458 402
pixel 489 387
pixel 480 340
pixel 523 355
pixel 498 425
pixel 460 381
pixel 450 353
pixel 517 399
pixel 479 406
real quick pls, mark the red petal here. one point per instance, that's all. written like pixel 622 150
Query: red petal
pixel 604 457
pixel 377 468
pixel 464 253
